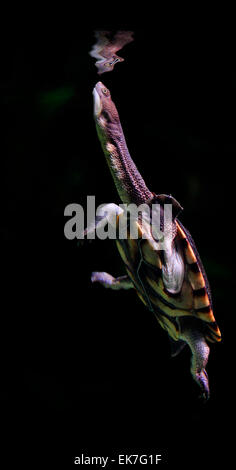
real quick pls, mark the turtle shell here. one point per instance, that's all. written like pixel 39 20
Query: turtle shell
pixel 144 267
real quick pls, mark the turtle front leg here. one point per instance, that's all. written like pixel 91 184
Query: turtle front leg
pixel 110 282
pixel 200 353
pixel 105 215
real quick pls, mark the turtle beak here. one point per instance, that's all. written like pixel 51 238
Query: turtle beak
pixel 97 104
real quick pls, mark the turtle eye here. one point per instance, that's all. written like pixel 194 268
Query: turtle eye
pixel 105 91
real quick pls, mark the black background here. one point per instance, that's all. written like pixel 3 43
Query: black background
pixel 84 369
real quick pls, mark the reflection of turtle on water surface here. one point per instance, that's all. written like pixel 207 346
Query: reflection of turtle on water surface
pixel 106 47
pixel 172 282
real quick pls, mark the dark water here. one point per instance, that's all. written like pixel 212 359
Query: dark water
pixel 86 370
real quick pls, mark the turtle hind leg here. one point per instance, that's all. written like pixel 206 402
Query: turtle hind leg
pixel 192 335
pixel 110 282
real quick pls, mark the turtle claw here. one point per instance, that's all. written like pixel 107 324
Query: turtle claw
pixel 202 380
pixel 94 277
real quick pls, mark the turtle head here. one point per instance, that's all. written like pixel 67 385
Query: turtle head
pixel 104 109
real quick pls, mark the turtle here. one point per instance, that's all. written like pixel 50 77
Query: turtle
pixel 171 283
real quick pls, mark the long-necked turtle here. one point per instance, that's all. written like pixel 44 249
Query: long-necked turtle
pixel 171 283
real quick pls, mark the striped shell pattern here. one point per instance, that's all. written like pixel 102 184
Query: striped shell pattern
pixel 144 267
